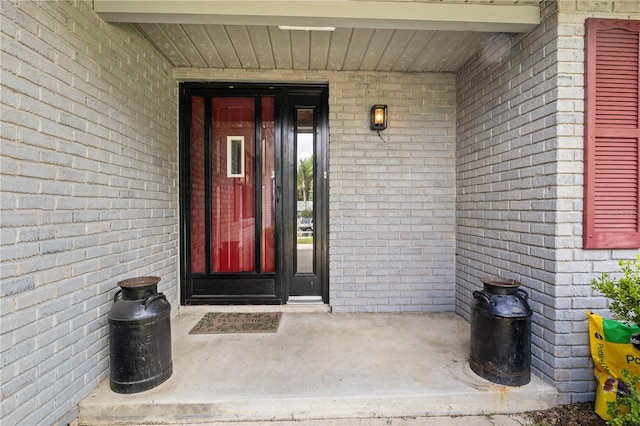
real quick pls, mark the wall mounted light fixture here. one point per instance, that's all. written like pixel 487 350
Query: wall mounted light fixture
pixel 378 117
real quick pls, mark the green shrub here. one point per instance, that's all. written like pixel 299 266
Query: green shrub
pixel 623 293
pixel 625 410
pixel 624 302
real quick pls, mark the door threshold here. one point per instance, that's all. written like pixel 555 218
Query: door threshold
pixel 307 308
pixel 299 300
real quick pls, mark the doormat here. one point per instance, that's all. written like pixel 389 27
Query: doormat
pixel 236 322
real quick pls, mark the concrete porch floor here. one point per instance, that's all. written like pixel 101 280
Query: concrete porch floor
pixel 350 368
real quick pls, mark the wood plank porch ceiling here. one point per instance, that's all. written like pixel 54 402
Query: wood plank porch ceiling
pixel 370 35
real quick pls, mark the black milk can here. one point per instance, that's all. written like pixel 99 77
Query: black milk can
pixel 139 336
pixel 501 333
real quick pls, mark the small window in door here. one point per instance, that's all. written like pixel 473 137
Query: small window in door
pixel 235 156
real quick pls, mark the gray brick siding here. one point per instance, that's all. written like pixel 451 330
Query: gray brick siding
pixel 89 196
pixel 392 201
pixel 519 184
pixel 392 208
pixel 574 268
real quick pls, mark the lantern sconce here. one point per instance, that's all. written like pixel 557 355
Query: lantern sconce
pixel 378 117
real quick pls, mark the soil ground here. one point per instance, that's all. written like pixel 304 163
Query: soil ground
pixel 579 414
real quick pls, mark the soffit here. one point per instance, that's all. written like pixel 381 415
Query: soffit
pixel 370 35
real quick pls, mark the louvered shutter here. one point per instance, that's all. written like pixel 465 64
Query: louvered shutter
pixel 612 134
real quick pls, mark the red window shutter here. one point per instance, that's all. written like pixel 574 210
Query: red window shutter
pixel 612 134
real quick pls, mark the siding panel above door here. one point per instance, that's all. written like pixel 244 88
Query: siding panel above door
pixel 354 49
pixel 205 46
pixel 300 49
pixel 242 45
pixel 281 46
pixel 320 45
pixel 260 39
pixel 356 25
pixel 219 36
pixel 358 48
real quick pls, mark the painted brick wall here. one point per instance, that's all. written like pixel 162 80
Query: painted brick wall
pixel 519 179
pixel 89 196
pixel 392 202
pixel 574 267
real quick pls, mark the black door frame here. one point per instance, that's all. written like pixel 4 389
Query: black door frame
pixel 282 93
pixel 305 284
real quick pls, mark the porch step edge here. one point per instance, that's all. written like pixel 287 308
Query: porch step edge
pixel 501 401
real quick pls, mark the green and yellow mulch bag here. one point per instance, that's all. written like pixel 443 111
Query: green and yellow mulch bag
pixel 612 352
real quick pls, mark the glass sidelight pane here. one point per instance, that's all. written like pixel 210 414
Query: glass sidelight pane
pixel 305 158
pixel 268 185
pixel 233 185
pixel 198 176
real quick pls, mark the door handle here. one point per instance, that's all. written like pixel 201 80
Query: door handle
pixel 277 194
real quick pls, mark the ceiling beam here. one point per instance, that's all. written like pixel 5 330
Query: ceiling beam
pixel 322 13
